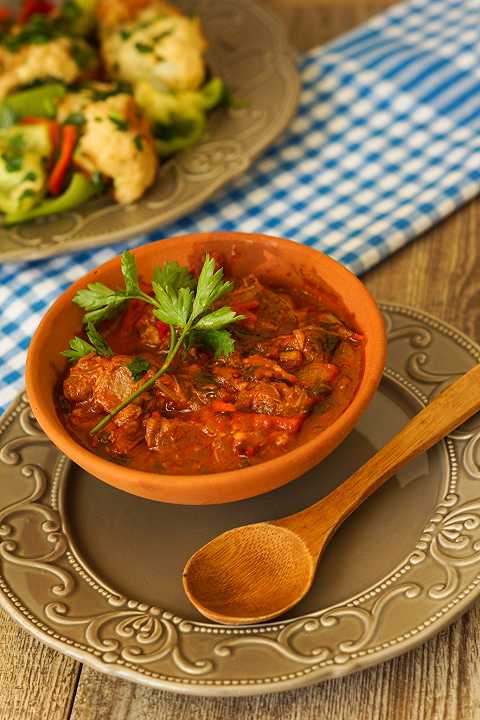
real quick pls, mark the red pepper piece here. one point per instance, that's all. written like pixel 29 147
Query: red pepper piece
pixel 34 7
pixel 163 328
pixel 131 316
pixel 59 172
pixel 4 14
pixel 221 406
pixel 242 307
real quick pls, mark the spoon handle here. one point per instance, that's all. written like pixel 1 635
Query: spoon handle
pixel 447 411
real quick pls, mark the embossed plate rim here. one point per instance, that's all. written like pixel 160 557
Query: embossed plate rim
pixel 458 603
pixel 279 64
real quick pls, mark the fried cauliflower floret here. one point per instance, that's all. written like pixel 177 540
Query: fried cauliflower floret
pixel 113 13
pixel 153 43
pixel 76 102
pixel 116 141
pixel 52 59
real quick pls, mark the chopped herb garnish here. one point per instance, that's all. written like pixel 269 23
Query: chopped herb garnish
pixel 75 118
pixel 98 181
pixel 13 162
pixel 161 36
pixel 77 348
pixel 30 175
pixel 119 122
pixel 143 48
pixel 27 193
pixel 82 54
pixel 118 89
pixel 138 367
pixel 125 34
pixel 180 301
pixel 138 142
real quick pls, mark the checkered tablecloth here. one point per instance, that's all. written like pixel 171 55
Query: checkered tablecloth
pixel 386 142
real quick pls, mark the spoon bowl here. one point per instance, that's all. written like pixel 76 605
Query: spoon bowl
pixel 239 577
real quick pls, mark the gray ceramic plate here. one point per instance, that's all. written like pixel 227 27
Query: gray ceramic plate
pixel 96 573
pixel 248 48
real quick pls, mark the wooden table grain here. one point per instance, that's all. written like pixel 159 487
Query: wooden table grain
pixel 440 273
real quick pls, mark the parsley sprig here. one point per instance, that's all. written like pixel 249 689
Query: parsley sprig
pixel 179 300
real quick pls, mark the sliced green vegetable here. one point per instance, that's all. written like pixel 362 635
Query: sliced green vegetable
pixel 78 192
pixel 38 101
pixel 178 118
pixel 212 93
pixel 23 150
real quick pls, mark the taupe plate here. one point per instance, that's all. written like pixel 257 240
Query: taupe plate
pixel 96 573
pixel 248 48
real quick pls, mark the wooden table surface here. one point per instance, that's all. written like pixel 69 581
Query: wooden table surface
pixel 439 273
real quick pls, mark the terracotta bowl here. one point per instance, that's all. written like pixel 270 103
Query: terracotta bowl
pixel 278 261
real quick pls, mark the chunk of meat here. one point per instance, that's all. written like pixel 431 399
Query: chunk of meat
pixel 274 399
pixel 191 444
pixel 103 382
pixel 49 60
pixel 259 367
pixel 116 141
pixel 318 377
pixel 96 385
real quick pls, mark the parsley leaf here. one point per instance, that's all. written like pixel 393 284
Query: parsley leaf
pixel 218 319
pixel 138 367
pixel 220 342
pixel 77 349
pixel 172 275
pixel 210 287
pixel 99 301
pixel 138 142
pixel 174 308
pixel 100 344
pixel 129 272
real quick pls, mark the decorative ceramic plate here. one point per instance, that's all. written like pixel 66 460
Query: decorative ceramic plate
pixel 248 48
pixel 96 573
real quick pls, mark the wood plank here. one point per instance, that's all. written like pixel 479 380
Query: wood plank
pixel 36 683
pixel 438 681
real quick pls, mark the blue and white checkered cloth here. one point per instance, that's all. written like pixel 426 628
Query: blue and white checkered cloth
pixel 386 143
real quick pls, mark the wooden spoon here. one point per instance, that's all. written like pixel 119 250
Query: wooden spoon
pixel 256 572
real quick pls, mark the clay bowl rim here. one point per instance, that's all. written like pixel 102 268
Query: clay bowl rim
pixel 232 485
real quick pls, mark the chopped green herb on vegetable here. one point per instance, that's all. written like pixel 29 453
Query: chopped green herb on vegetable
pixel 143 48
pixel 119 122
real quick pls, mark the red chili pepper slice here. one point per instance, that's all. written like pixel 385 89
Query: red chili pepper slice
pixel 34 7
pixel 59 172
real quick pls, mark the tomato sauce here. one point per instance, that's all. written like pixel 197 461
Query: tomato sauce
pixel 295 354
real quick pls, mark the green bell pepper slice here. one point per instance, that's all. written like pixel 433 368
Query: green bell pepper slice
pixel 77 193
pixel 212 93
pixel 38 101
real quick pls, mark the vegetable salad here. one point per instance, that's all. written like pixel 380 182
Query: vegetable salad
pixel 93 95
